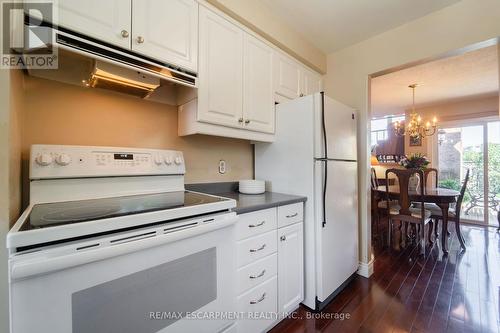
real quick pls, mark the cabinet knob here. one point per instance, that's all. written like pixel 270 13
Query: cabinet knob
pixel 301 95
pixel 240 120
pixel 283 238
pixel 247 121
pixel 140 39
pixel 124 33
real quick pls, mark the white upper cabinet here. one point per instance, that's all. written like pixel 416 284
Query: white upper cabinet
pixel 258 101
pixel 163 30
pixel 311 82
pixel 166 31
pixel 108 21
pixel 286 76
pixel 220 93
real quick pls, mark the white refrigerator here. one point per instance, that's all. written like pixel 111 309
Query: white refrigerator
pixel 315 155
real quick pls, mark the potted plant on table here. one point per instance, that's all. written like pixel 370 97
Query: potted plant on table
pixel 414 161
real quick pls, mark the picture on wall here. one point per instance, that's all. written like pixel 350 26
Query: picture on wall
pixel 415 141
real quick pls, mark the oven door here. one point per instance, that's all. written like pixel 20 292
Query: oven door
pixel 147 281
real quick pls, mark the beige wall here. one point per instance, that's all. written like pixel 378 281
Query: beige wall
pixel 56 113
pixel 452 28
pixel 4 194
pixel 258 17
pixel 10 103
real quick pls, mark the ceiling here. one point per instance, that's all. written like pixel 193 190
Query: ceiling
pixel 469 75
pixel 334 24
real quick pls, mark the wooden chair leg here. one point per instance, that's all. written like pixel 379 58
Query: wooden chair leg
pixel 498 218
pixel 429 233
pixel 421 228
pixel 377 227
pixel 389 232
pixel 459 234
pixel 436 225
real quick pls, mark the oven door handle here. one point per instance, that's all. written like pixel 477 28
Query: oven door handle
pixel 43 263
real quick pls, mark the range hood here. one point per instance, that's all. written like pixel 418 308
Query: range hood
pixel 87 62
pixel 121 79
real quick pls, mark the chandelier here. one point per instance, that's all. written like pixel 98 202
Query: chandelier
pixel 415 128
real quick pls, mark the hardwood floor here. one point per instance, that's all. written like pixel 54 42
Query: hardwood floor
pixel 410 293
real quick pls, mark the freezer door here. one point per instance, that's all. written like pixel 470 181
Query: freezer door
pixel 340 126
pixel 337 245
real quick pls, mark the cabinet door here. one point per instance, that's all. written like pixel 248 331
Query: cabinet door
pixel 258 101
pixel 108 21
pixel 166 31
pixel 311 82
pixel 220 92
pixel 286 76
pixel 290 267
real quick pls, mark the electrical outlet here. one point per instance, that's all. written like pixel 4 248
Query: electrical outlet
pixel 222 167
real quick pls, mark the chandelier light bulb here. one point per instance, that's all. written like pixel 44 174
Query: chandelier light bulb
pixel 415 127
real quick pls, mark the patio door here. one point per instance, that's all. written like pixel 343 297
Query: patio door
pixel 477 148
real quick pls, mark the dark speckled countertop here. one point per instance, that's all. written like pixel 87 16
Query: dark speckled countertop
pixel 246 202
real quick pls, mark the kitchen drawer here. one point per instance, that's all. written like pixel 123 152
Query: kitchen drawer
pixel 256 247
pixel 255 223
pixel 258 302
pixel 256 272
pixel 290 214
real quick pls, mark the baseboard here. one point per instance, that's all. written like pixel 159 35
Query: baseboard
pixel 365 269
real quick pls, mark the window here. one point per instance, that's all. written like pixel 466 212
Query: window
pixel 380 126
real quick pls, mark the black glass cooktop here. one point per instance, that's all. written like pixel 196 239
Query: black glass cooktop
pixel 53 214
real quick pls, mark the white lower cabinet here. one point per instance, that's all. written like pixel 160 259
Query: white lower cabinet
pixel 290 267
pixel 270 274
pixel 253 274
pixel 256 247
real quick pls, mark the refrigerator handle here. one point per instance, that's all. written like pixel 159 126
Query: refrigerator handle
pixel 323 124
pixel 323 224
pixel 325 180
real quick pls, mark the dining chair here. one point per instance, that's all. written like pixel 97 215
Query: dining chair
pixel 427 173
pixel 453 213
pixel 379 204
pixel 404 212
pixel 374 178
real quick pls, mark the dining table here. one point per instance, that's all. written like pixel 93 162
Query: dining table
pixel 442 197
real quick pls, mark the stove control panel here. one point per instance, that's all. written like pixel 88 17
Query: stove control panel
pixel 55 161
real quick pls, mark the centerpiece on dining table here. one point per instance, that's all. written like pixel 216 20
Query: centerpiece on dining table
pixel 414 161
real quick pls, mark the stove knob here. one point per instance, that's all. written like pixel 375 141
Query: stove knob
pixel 158 160
pixel 168 160
pixel 178 160
pixel 44 159
pixel 63 159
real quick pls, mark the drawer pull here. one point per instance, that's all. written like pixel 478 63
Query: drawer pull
pixel 293 215
pixel 283 238
pixel 259 300
pixel 256 225
pixel 258 276
pixel 259 249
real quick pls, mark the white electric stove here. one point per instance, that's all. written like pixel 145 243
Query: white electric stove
pixel 111 238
